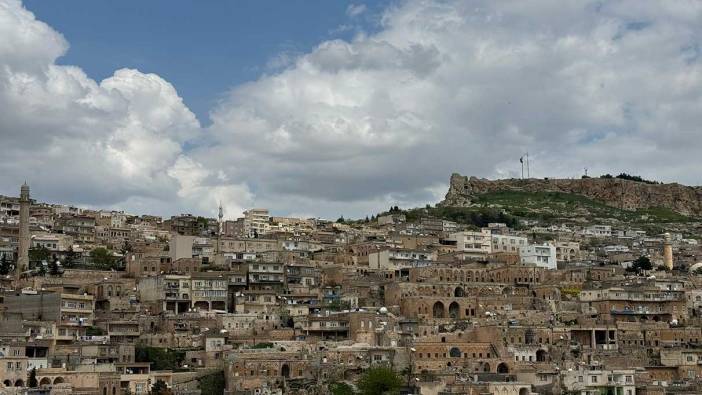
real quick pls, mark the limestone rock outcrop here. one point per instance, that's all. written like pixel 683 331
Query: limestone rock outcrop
pixel 614 192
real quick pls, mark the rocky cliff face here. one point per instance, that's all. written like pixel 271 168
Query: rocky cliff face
pixel 615 192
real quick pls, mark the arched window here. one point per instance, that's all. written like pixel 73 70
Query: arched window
pixel 438 310
pixel 454 310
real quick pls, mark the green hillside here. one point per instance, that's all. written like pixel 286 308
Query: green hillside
pixel 553 205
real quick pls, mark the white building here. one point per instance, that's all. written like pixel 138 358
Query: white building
pixel 616 249
pixel 593 382
pixel 256 221
pixel 598 231
pixel 473 244
pixel 508 243
pixel 395 258
pixel 539 255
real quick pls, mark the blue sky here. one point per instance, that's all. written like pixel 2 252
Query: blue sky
pixel 368 115
pixel 202 47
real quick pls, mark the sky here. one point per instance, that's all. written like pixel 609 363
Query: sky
pixel 330 108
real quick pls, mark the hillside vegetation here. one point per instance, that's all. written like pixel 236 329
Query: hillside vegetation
pixel 557 205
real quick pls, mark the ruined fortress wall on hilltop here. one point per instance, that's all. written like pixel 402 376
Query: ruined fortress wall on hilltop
pixel 615 192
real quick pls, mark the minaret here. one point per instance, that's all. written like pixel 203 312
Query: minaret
pixel 219 260
pixel 23 250
pixel 667 252
pixel 221 215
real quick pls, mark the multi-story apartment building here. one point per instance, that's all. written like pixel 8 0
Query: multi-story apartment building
pixel 471 244
pixel 637 303
pixel 80 227
pixel 593 382
pixel 166 293
pixel 73 312
pixel 266 275
pixel 507 243
pixel 539 255
pixel 209 291
pixel 13 364
pixel 256 222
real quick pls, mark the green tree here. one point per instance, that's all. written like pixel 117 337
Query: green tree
pixel 71 258
pixel 102 258
pixel 160 388
pixel 160 358
pixel 4 265
pixel 32 382
pixel 640 264
pixel 340 220
pixel 212 383
pixel 94 331
pixel 379 381
pixel 41 269
pixel 338 305
pixel 126 247
pixel 54 268
pixel 340 389
pixel 39 254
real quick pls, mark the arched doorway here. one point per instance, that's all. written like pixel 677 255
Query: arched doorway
pixel 541 356
pixel 524 391
pixel 455 352
pixel 58 380
pixel 502 368
pixel 486 367
pixel 454 310
pixel 7 383
pixel 285 371
pixel 45 381
pixel 459 292
pixel 19 383
pixel 438 310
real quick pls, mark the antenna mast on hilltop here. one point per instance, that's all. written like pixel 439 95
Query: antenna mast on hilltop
pixel 521 160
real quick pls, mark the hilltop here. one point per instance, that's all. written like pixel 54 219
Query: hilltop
pixel 610 197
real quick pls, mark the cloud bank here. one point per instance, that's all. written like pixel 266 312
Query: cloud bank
pixel 355 126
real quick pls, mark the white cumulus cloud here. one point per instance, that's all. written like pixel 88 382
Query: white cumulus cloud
pixel 104 144
pixel 352 127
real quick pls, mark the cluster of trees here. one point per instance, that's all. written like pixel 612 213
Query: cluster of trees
pixel 160 358
pixel 629 177
pixel 41 260
pixel 160 388
pixel 5 265
pixel 376 381
pixel 212 384
pixel 338 305
pixel 639 265
pixel 105 259
pixel 480 218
